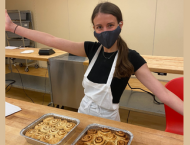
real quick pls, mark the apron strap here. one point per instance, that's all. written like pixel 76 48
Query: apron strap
pixel 92 62
pixel 112 70
pixel 110 77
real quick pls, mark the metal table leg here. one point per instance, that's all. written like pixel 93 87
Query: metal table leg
pixel 48 67
pixel 10 64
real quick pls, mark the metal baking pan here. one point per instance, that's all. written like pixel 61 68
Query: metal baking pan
pixel 33 124
pixel 99 126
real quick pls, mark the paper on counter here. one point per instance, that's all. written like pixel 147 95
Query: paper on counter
pixel 27 51
pixel 11 47
pixel 10 109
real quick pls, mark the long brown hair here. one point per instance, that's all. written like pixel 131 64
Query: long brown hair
pixel 123 67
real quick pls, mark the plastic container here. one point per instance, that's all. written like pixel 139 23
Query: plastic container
pixel 15 15
pixel 19 42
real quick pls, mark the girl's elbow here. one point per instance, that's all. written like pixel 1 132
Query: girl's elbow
pixel 164 97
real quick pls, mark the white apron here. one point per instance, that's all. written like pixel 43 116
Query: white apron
pixel 98 97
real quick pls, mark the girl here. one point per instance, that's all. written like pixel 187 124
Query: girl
pixel 111 63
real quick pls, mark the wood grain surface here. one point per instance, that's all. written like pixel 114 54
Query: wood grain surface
pixel 164 64
pixel 30 112
pixel 16 53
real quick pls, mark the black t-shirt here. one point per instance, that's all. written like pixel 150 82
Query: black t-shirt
pixel 102 67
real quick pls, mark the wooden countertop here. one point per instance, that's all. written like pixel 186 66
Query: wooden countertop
pixel 164 64
pixel 16 53
pixel 30 112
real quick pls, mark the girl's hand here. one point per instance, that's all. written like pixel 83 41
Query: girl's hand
pixel 9 25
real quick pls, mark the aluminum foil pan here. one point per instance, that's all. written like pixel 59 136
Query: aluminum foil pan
pixel 99 126
pixel 33 124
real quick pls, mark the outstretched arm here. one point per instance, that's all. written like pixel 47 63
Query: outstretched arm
pixel 144 75
pixel 46 39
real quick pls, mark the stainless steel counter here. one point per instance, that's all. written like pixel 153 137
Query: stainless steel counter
pixel 67 73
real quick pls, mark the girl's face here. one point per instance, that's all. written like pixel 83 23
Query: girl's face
pixel 105 22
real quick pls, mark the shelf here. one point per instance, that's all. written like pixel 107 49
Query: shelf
pixel 24 18
pixel 141 102
pixel 34 83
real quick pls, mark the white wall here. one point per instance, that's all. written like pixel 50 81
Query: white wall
pixel 151 27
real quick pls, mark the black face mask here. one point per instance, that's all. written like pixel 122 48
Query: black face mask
pixel 108 38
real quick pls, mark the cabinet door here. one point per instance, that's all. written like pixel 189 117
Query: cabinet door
pixel 169 28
